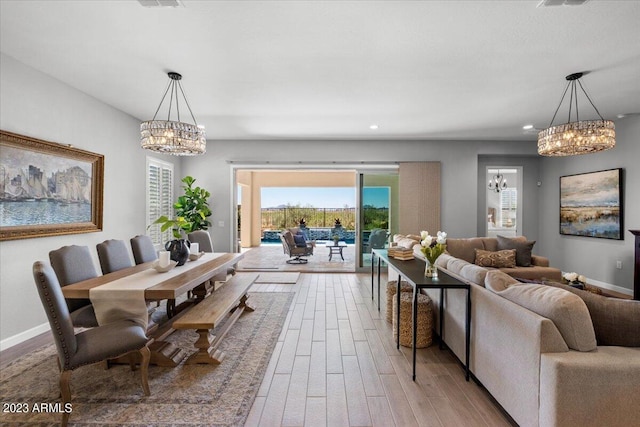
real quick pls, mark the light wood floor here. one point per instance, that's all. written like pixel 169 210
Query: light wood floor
pixel 335 364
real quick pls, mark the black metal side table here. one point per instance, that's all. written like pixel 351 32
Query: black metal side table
pixel 413 273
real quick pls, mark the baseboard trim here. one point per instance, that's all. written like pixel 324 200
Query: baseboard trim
pixel 610 287
pixel 24 336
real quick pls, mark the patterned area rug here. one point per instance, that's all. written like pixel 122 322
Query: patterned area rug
pixel 194 395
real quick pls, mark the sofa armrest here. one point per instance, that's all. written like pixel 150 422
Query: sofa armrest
pixel 593 388
pixel 539 261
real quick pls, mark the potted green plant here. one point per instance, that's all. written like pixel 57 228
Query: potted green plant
pixel 177 225
pixel 192 211
pixel 179 247
pixel 193 206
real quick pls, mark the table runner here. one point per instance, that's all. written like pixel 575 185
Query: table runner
pixel 124 298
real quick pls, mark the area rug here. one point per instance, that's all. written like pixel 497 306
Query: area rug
pixel 286 278
pixel 194 395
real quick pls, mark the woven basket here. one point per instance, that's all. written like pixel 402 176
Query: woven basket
pixel 424 336
pixel 391 291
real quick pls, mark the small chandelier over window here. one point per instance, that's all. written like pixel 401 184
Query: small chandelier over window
pixel 498 182
pixel 578 137
pixel 173 137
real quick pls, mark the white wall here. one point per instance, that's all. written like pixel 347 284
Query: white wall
pixel 36 105
pixel 594 258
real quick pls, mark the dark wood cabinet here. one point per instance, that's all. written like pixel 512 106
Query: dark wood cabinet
pixel 636 269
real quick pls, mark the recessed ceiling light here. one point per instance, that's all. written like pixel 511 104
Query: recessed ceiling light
pixel 527 127
pixel 161 3
pixel 373 127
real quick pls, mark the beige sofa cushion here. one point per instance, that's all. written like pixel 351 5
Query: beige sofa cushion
pixel 443 260
pixel 455 265
pixel 474 273
pixel 497 281
pixel 567 311
pixel 598 388
pixel 534 273
pixel 498 259
pixel 615 321
pixel 464 248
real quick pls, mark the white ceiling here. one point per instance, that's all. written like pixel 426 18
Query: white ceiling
pixel 440 70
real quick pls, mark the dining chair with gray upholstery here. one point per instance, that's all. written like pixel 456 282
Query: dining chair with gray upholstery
pixel 202 238
pixel 88 347
pixel 73 264
pixel 143 250
pixel 113 255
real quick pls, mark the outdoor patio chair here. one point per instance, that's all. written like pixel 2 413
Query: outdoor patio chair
pixel 295 252
pixel 377 240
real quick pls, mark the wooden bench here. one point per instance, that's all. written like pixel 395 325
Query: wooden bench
pixel 229 300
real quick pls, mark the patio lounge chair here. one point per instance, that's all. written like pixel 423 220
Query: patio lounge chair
pixel 377 240
pixel 295 252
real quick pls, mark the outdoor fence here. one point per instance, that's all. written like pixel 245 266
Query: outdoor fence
pixel 288 217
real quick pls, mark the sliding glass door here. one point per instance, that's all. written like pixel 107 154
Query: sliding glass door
pixel 377 202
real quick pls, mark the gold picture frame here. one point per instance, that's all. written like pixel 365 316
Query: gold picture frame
pixel 48 189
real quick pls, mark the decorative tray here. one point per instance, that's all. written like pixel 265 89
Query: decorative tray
pixel 156 266
pixel 193 257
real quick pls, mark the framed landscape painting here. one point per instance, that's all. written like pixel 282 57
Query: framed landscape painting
pixel 48 189
pixel 591 204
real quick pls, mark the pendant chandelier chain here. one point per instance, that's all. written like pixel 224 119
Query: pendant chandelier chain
pixel 590 101
pixel 573 98
pixel 172 87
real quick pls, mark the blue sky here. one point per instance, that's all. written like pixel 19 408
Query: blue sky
pixel 334 197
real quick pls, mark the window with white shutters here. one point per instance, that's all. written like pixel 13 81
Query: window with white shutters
pixel 509 206
pixel 159 197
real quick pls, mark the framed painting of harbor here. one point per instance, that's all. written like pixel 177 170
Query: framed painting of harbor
pixel 591 204
pixel 48 189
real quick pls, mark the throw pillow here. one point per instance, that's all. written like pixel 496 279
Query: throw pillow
pixel 498 259
pixel 300 242
pixel 567 311
pixel 523 249
pixel 304 234
pixel 615 321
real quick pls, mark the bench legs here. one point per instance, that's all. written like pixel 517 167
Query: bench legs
pixel 207 343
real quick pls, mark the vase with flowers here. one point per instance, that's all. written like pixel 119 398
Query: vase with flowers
pixel 432 247
pixel 574 279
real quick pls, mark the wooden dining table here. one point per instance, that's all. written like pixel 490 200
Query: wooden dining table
pixel 161 286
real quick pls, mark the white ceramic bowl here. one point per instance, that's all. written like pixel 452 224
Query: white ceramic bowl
pixel 156 266
pixel 193 257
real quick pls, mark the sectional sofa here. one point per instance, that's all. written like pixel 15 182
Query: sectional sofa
pixel 535 267
pixel 536 352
